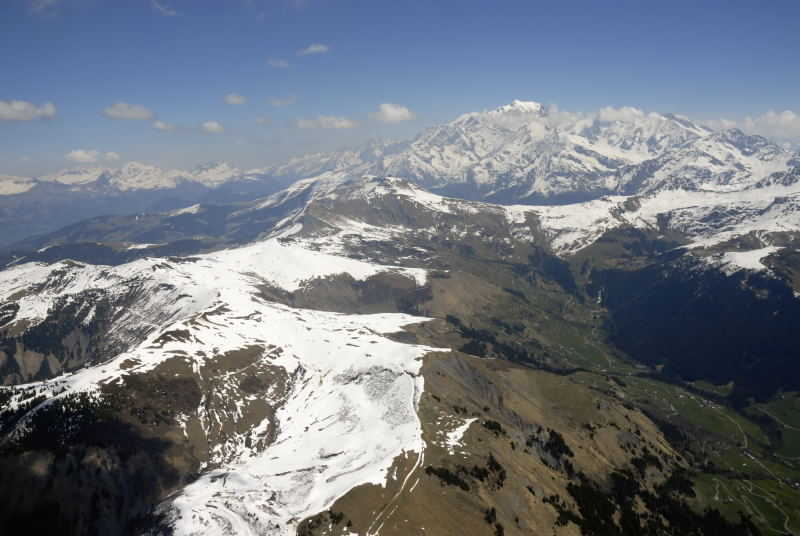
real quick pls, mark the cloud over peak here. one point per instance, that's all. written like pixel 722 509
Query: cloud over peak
pixel 212 127
pixel 785 124
pixel 393 113
pixel 234 98
pixel 625 113
pixel 327 121
pixel 88 156
pixel 123 110
pixel 313 48
pixel 17 110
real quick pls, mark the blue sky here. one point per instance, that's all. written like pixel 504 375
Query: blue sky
pixel 174 61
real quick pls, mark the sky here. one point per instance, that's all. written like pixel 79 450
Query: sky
pixel 181 82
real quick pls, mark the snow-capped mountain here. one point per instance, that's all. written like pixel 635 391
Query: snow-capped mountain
pixel 336 373
pixel 521 152
pixel 389 208
pixel 138 176
pixel 313 360
pixel 526 152
pixel 10 185
pixel 258 386
pixel 31 206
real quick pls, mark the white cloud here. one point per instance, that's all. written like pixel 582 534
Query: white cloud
pixel 327 121
pixel 233 98
pixel 626 113
pixel 313 48
pixel 720 124
pixel 88 156
pixel 263 120
pixel 123 110
pixel 163 9
pixel 393 113
pixel 25 111
pixel 283 103
pixel 278 63
pixel 212 127
pixel 556 117
pixel 42 6
pixel 785 124
pixel 163 125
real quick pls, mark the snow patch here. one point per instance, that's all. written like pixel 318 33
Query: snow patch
pixel 143 246
pixel 733 261
pixel 454 437
pixel 194 209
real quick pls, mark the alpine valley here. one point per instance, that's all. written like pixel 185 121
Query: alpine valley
pixel 523 321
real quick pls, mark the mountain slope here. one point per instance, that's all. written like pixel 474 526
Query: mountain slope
pixel 30 206
pixel 250 415
pixel 355 354
pixel 522 152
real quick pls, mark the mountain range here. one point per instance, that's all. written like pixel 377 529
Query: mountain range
pixel 522 322
pixel 522 152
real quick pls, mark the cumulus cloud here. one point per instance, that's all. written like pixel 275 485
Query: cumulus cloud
pixel 626 113
pixel 785 124
pixel 556 117
pixel 393 113
pixel 212 127
pixel 283 103
pixel 720 124
pixel 327 121
pixel 163 125
pixel 88 156
pixel 233 98
pixel 123 110
pixel 163 9
pixel 263 120
pixel 17 110
pixel 278 63
pixel 82 155
pixel 313 48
